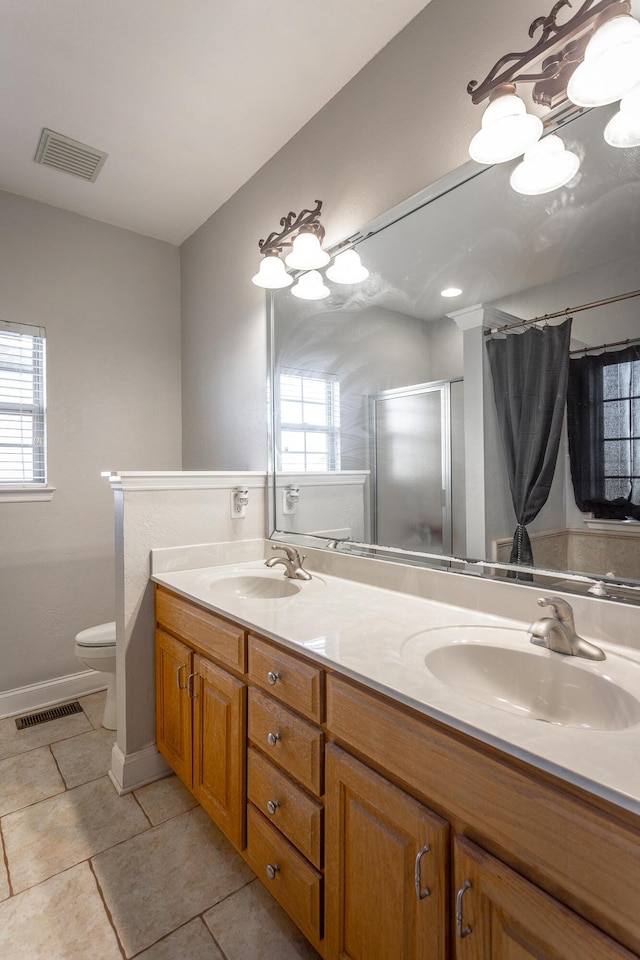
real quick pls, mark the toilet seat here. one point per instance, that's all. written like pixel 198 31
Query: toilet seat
pixel 102 635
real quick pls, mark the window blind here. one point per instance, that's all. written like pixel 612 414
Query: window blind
pixel 22 405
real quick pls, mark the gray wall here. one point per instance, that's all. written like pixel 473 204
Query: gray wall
pixel 109 300
pixel 401 123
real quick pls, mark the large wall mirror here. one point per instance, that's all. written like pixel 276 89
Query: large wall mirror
pixel 384 428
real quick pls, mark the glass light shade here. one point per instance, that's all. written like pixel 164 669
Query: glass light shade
pixel 272 274
pixel 546 166
pixel 307 254
pixel 623 130
pixel 611 65
pixel 310 286
pixel 347 268
pixel 507 131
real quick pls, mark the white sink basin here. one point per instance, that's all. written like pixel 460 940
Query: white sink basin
pixel 260 585
pixel 498 667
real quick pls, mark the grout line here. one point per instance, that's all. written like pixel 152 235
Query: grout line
pixel 107 910
pixel 146 815
pixel 55 760
pixel 6 861
pixel 225 956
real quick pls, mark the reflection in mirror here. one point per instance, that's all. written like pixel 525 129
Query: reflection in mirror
pixel 384 416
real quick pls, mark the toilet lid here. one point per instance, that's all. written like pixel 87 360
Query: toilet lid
pixel 102 635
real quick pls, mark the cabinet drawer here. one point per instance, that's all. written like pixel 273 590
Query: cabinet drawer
pixel 286 806
pixel 285 873
pixel 289 741
pixel 212 636
pixel 287 678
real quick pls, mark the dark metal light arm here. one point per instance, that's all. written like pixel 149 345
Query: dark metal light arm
pixel 564 46
pixel 306 221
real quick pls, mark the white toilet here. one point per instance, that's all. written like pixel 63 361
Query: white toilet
pixel 96 649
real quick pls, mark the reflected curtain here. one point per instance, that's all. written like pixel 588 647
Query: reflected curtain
pixel 530 373
pixel 603 425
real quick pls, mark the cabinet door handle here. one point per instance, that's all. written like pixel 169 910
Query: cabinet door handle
pixel 272 739
pixel 420 893
pixel 273 678
pixel 462 933
pixel 190 687
pixel 182 666
pixel 272 806
pixel 272 869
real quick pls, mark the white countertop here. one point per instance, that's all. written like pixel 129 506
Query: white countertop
pixel 381 637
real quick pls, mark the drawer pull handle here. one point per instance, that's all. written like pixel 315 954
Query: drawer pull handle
pixel 182 666
pixel 273 678
pixel 462 933
pixel 272 869
pixel 190 686
pixel 272 806
pixel 272 739
pixel 420 893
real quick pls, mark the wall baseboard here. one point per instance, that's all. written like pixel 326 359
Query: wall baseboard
pixel 133 770
pixel 37 696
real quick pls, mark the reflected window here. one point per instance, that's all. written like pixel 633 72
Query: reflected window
pixel 621 413
pixel 308 406
pixel 22 406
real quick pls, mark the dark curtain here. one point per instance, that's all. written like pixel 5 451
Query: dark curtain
pixel 530 372
pixel 603 417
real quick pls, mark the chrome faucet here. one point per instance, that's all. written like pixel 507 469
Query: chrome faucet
pixel 292 562
pixel 558 633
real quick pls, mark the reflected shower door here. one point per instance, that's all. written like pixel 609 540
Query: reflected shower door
pixel 412 468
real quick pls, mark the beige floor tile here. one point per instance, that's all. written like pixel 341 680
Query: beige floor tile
pixel 27 778
pixel 93 706
pixel 85 757
pixel 250 925
pixel 158 881
pixel 55 834
pixel 60 919
pixel 164 799
pixel 191 942
pixel 13 741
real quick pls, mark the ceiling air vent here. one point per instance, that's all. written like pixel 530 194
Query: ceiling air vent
pixel 70 156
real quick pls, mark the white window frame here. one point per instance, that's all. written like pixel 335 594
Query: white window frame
pixel 331 429
pixel 33 363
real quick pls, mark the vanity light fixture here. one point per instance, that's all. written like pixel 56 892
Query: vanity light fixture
pixel 623 130
pixel 347 268
pixel 310 286
pixel 591 59
pixel 546 166
pixel 611 65
pixel 304 233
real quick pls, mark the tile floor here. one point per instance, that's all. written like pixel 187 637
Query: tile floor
pixel 87 874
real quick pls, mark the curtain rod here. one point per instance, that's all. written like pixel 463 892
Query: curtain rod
pixel 604 346
pixel 563 313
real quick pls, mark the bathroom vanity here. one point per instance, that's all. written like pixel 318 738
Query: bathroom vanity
pixel 389 817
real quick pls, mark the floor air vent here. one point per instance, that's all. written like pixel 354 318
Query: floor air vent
pixel 53 713
pixel 70 156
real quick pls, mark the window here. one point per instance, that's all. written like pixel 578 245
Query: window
pixel 621 434
pixel 22 406
pixel 309 408
pixel 603 420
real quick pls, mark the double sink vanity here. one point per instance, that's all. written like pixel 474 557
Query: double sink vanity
pixel 410 778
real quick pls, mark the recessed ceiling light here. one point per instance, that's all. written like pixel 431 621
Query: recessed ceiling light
pixel 451 292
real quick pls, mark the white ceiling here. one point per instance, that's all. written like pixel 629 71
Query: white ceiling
pixel 188 97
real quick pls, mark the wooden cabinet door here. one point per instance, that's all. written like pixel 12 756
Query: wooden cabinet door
pixel 219 748
pixel 384 851
pixel 173 705
pixel 501 916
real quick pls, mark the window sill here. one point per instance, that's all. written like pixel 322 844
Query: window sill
pixel 630 527
pixel 24 494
